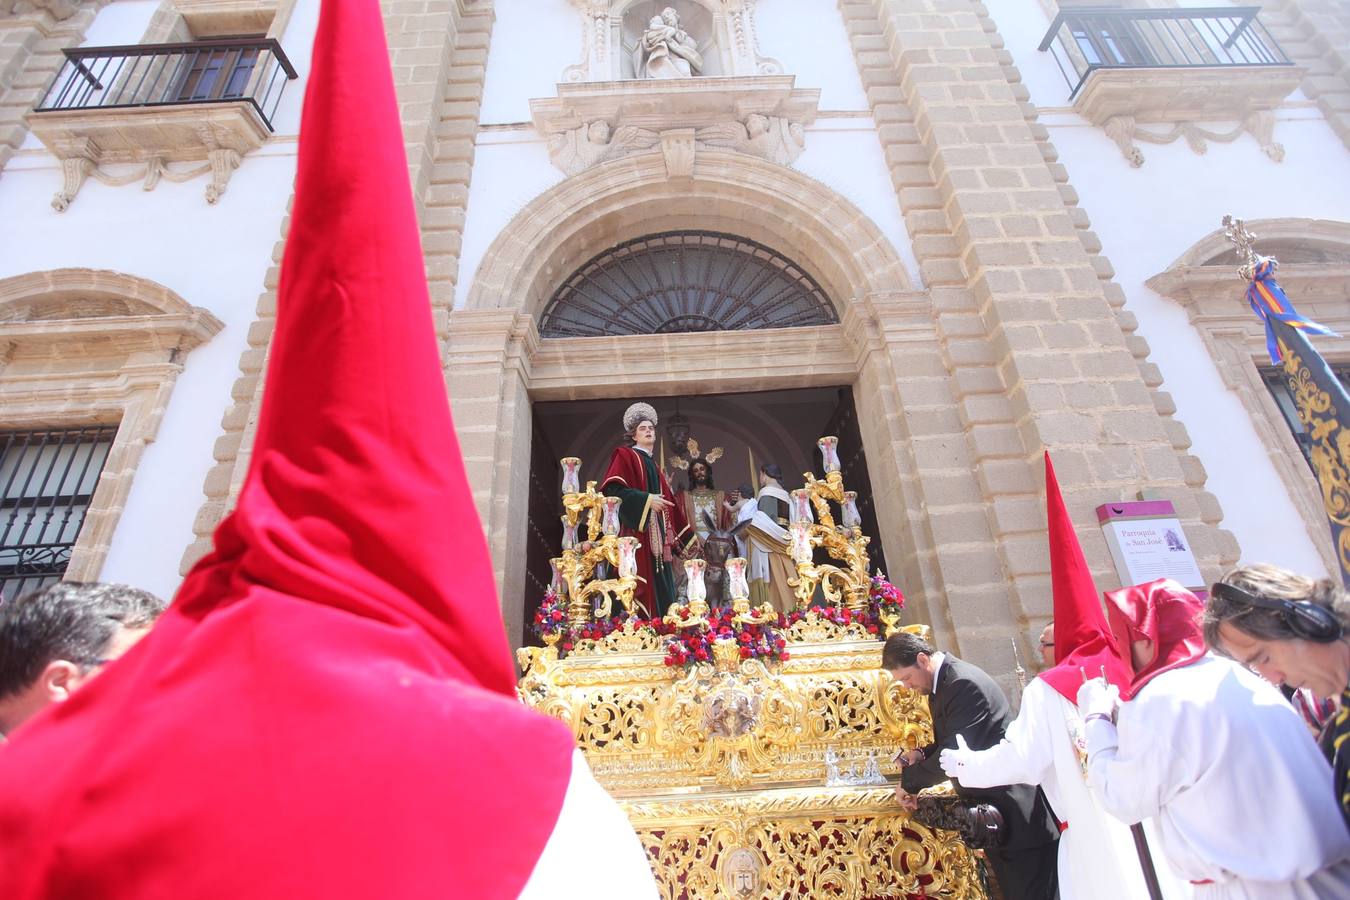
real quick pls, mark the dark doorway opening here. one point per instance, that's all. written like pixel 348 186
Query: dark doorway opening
pixel 750 428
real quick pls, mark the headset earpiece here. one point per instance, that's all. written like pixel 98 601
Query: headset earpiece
pixel 1308 620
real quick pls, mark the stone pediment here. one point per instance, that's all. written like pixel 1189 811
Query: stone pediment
pixel 594 122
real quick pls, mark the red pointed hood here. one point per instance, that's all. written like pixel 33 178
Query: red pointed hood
pixel 327 709
pixel 1160 611
pixel 1083 643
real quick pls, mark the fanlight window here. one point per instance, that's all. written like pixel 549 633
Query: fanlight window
pixel 685 281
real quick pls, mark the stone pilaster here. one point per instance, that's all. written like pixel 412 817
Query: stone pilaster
pixel 1032 352
pixel 30 56
pixel 1316 34
pixel 425 46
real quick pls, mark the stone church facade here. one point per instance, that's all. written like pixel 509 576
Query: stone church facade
pixel 1019 245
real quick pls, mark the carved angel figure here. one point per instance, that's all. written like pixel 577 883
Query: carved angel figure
pixel 590 144
pixel 731 714
pixel 768 137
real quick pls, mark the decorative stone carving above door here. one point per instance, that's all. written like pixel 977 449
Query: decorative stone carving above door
pixel 718 36
pixel 595 122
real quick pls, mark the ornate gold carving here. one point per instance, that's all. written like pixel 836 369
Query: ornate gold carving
pixel 815 842
pixel 1329 448
pixel 577 564
pixel 847 585
pixel 721 767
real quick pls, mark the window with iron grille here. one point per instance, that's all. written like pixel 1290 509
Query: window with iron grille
pixel 1278 385
pixel 681 281
pixel 47 480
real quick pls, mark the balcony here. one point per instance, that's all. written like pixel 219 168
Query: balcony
pixel 208 102
pixel 1179 66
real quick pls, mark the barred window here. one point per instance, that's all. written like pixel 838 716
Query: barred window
pixel 47 480
pixel 1278 385
pixel 681 281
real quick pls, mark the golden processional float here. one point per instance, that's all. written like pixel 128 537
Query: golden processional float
pixel 750 750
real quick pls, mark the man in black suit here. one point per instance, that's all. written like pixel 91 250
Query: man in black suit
pixel 965 700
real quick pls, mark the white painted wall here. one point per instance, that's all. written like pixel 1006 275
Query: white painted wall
pixel 1149 216
pixel 214 257
pixel 533 43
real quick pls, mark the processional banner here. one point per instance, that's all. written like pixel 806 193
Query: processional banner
pixel 1322 401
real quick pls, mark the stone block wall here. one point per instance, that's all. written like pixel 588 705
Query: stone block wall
pixel 1036 351
pixel 438 50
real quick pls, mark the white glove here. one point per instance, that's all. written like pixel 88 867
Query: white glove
pixel 1098 698
pixel 954 762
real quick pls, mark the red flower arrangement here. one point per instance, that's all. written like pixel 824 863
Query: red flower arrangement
pixel 551 617
pixel 867 618
pixel 884 597
pixel 687 647
pixel 690 646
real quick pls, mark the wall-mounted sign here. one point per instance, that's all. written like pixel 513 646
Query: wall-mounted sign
pixel 1147 543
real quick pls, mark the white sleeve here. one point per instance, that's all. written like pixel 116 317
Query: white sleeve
pixel 592 834
pixel 1025 755
pixel 1128 776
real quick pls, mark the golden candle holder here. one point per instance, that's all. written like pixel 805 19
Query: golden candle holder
pixel 578 564
pixel 843 585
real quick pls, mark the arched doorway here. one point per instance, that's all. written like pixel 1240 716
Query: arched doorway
pixel 499 363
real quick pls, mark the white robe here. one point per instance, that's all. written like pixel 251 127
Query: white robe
pixel 592 836
pixel 1241 794
pixel 1097 859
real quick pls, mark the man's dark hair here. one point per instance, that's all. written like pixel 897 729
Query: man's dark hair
pixel 68 620
pixel 707 467
pixel 746 490
pixel 902 650
pixel 772 470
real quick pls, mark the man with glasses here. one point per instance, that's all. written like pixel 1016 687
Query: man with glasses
pixel 1047 645
pixel 55 639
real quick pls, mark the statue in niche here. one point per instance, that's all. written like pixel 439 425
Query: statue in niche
pixel 768 137
pixel 666 50
pixel 590 144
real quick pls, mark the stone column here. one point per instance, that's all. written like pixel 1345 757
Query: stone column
pixel 1029 344
pixel 30 56
pixel 1316 34
pixel 434 55
pixel 486 375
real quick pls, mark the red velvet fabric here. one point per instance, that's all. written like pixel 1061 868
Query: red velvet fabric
pixel 625 467
pixel 327 709
pixel 1160 611
pixel 1083 642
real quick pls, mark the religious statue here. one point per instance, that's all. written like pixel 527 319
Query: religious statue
pixel 647 510
pixel 702 496
pixel 766 536
pixel 718 547
pixel 665 50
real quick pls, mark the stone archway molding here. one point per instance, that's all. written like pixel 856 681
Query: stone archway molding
pixel 497 364
pixel 92 346
pixel 794 214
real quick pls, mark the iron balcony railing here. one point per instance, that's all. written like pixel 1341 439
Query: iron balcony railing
pixel 253 71
pixel 1084 40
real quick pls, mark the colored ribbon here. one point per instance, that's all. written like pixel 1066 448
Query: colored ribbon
pixel 1269 301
